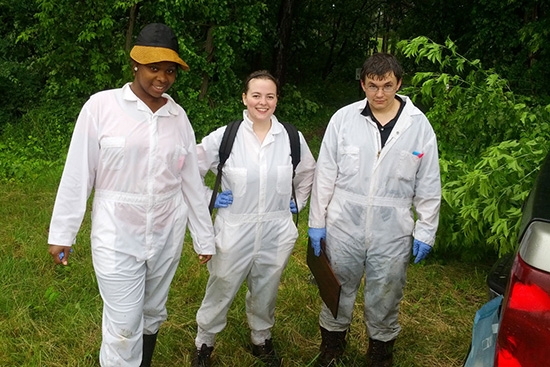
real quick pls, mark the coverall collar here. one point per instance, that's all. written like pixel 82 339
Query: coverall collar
pixel 276 127
pixel 170 108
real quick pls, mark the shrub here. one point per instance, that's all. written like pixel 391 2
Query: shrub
pixel 482 203
pixel 38 141
pixel 491 141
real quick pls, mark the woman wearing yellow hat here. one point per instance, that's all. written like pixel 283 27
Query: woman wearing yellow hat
pixel 136 148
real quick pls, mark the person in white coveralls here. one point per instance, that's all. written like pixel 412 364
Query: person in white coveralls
pixel 376 194
pixel 136 149
pixel 255 232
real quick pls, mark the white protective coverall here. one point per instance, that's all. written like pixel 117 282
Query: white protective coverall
pixel 143 167
pixel 366 197
pixel 255 235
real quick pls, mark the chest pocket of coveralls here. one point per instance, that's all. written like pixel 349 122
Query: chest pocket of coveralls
pixel 112 152
pixel 407 166
pixel 349 160
pixel 237 179
pixel 284 180
pixel 177 159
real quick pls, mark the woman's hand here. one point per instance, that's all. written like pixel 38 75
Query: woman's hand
pixel 203 259
pixel 60 254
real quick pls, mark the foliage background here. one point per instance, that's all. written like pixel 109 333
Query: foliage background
pixel 488 104
pixel 478 69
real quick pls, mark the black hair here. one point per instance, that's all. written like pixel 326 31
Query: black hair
pixel 380 64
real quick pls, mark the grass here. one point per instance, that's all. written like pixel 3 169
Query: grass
pixel 51 316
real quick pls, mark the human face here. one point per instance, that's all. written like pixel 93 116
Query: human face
pixel 381 92
pixel 152 80
pixel 260 100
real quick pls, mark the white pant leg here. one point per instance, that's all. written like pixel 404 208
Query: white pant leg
pixel 160 272
pixel 134 294
pixel 347 258
pixel 121 281
pixel 228 269
pixel 386 273
pixel 220 293
pixel 346 250
pixel 273 251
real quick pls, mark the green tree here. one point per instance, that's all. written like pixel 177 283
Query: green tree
pixel 491 140
pixel 215 37
pixel 509 36
pixel 70 50
pixel 78 46
pixel 20 79
pixel 331 38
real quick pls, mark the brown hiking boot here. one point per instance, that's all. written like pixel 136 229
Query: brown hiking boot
pixel 380 354
pixel 202 357
pixel 332 347
pixel 266 353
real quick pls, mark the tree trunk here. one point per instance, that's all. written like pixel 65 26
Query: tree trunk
pixel 209 49
pixel 337 52
pixel 131 23
pixel 284 34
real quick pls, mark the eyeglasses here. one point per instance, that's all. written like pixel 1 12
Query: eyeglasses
pixel 385 88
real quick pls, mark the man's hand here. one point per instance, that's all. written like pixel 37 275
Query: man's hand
pixel 315 235
pixel 420 250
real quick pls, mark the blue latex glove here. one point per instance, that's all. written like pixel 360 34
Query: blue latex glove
pixel 420 250
pixel 315 234
pixel 224 199
pixel 293 208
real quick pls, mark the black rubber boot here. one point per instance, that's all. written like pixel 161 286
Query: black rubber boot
pixel 380 354
pixel 332 347
pixel 149 342
pixel 266 353
pixel 202 356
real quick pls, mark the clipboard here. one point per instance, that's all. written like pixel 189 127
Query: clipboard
pixel 329 286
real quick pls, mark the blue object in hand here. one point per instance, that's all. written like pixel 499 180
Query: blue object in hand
pixel 224 199
pixel 293 208
pixel 315 235
pixel 62 254
pixel 420 250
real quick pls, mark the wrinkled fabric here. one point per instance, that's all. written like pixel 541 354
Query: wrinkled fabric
pixel 367 197
pixel 255 235
pixel 143 168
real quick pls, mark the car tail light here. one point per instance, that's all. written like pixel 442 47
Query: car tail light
pixel 524 334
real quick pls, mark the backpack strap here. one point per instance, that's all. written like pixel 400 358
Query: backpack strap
pixel 225 150
pixel 295 152
pixel 295 155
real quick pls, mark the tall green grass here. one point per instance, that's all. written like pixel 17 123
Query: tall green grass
pixel 51 315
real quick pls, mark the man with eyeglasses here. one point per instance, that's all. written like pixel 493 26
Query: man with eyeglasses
pixel 376 195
